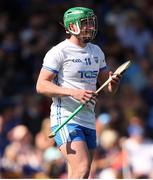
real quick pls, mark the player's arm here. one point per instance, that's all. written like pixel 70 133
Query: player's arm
pixel 114 84
pixel 47 87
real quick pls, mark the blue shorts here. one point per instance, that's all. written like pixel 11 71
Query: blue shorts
pixel 75 132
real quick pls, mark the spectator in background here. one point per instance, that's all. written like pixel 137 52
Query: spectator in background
pixel 9 118
pixel 108 157
pixel 147 95
pixel 102 122
pixel 55 163
pixel 42 141
pixel 20 157
pixel 136 75
pixel 132 31
pixel 139 150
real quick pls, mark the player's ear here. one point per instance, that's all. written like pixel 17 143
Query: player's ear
pixel 74 28
pixel 71 25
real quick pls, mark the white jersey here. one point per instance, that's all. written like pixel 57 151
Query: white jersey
pixel 76 68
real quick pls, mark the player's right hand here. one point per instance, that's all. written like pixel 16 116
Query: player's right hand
pixel 84 96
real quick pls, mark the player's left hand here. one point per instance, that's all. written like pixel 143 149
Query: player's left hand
pixel 115 78
pixel 113 85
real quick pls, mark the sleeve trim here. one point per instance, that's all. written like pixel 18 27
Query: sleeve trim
pixel 103 68
pixel 50 69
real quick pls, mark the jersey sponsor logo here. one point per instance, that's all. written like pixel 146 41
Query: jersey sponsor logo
pixel 88 74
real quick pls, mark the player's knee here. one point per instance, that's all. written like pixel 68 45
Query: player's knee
pixel 82 170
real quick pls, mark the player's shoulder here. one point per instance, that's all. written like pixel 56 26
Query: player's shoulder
pixel 96 48
pixel 57 49
pixel 60 45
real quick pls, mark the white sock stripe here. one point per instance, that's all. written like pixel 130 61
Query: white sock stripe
pixel 67 133
pixel 61 131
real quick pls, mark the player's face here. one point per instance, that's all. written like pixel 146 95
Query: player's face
pixel 88 29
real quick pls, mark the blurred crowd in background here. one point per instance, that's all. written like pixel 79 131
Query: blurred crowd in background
pixel 124 121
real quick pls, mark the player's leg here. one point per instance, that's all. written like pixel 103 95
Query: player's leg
pixel 76 142
pixel 78 157
pixel 70 169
